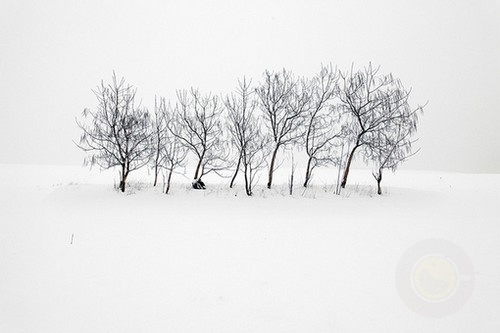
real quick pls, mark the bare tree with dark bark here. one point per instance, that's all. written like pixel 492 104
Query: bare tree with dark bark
pixel 158 135
pixel 324 127
pixel 392 144
pixel 244 127
pixel 240 107
pixel 363 94
pixel 169 154
pixel 284 101
pixel 255 154
pixel 254 159
pixel 173 156
pixel 198 127
pixel 118 133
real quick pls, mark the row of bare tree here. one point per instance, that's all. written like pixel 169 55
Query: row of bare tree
pixel 332 116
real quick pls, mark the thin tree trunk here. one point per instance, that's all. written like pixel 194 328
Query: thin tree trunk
pixel 236 171
pixel 157 158
pixel 123 178
pixel 168 180
pixel 271 167
pixel 308 172
pixel 198 167
pixel 379 180
pixel 348 166
pixel 337 186
pixel 156 174
pixel 248 185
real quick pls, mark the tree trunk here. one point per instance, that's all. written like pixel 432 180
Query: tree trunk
pixel 271 167
pixel 157 158
pixel 123 177
pixel 168 180
pixel 346 171
pixel 198 167
pixel 156 174
pixel 339 170
pixel 308 172
pixel 236 171
pixel 379 180
pixel 248 184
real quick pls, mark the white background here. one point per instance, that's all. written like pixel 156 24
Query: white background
pixel 52 53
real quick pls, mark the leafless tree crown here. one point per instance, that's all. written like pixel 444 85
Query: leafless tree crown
pixel 247 137
pixel 333 116
pixel 373 102
pixel 283 100
pixel 324 128
pixel 198 127
pixel 118 132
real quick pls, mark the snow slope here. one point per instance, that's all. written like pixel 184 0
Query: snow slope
pixel 77 256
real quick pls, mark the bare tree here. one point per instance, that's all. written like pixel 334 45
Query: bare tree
pixel 173 156
pixel 198 127
pixel 255 155
pixel 169 154
pixel 392 144
pixel 118 132
pixel 324 127
pixel 158 135
pixel 363 94
pixel 240 120
pixel 246 133
pixel 284 101
pixel 340 164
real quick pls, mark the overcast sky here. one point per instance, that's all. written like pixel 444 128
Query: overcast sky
pixel 52 53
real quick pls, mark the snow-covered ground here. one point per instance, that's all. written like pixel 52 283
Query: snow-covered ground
pixel 78 256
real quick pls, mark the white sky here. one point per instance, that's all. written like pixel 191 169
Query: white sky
pixel 52 53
